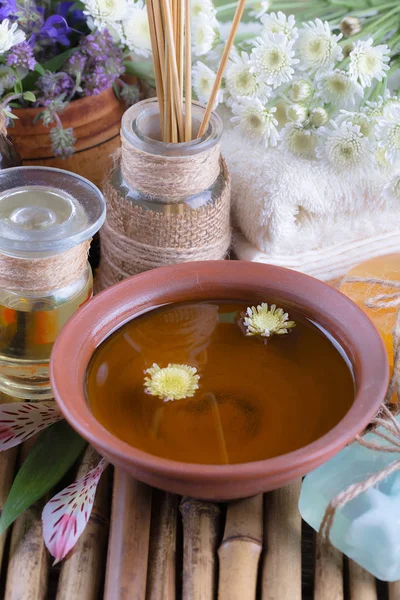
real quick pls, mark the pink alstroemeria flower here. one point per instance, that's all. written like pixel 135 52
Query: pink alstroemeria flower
pixel 65 516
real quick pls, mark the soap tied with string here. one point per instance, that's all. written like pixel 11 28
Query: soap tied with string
pixel 375 286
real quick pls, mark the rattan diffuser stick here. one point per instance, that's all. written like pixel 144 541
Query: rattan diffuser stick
pixel 170 33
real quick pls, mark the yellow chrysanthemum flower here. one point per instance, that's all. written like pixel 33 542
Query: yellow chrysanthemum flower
pixel 266 321
pixel 174 382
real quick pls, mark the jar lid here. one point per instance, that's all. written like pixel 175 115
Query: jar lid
pixel 45 211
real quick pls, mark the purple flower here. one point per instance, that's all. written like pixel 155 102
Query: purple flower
pixel 97 81
pixel 98 45
pixel 76 64
pixel 21 56
pixel 8 8
pixel 56 29
pixel 53 85
pixel 74 16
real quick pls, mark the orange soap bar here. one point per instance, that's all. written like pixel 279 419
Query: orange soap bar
pixel 387 270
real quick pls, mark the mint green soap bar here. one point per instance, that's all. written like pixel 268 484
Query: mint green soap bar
pixel 366 529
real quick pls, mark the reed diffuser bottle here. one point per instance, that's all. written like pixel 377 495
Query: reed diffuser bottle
pixel 47 217
pixel 167 202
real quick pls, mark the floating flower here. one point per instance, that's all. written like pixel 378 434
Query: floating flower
pixel 318 47
pixel 135 28
pixel 280 23
pixel 387 131
pixel 318 116
pixel 300 90
pixel 267 321
pixel 240 81
pixel 174 382
pixel 299 140
pixel 256 121
pixel 203 80
pixel 338 88
pixel 272 59
pixel 344 147
pixel 10 36
pixel 368 62
pixel 66 515
pixel 204 34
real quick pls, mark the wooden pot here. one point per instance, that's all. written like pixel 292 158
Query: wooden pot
pixel 96 123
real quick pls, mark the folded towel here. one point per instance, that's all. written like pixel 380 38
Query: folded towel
pixel 301 214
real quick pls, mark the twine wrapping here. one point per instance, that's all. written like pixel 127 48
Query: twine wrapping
pixel 43 274
pixel 170 178
pixel 385 418
pixel 135 239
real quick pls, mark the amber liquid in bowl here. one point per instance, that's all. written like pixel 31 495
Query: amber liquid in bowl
pixel 255 400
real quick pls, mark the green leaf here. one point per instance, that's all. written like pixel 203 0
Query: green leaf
pixel 51 65
pixel 9 114
pixel 51 457
pixel 29 96
pixel 39 69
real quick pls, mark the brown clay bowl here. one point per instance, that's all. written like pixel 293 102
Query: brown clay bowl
pixel 213 280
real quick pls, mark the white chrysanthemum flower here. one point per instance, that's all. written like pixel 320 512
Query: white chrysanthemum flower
pixel 240 81
pixel 204 34
pixel 106 13
pixel 272 59
pixel 387 131
pixel 337 88
pixel 203 80
pixel 136 31
pixel 174 382
pixel 318 47
pixel 344 147
pixel 280 23
pixel 296 113
pixel 380 158
pixel 266 321
pixel 300 90
pixel 260 7
pixel 202 6
pixel 364 121
pixel 391 191
pixel 9 36
pixel 368 62
pixel 256 121
pixel 318 116
pixel 299 140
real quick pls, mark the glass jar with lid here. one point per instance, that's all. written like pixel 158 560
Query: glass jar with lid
pixel 47 218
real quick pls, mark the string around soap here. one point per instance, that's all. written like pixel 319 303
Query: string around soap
pixel 180 381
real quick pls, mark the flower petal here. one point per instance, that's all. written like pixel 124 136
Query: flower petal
pixel 66 515
pixel 20 420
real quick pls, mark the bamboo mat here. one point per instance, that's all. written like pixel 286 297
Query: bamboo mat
pixel 144 544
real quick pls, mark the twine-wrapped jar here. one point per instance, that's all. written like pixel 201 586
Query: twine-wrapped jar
pixel 166 203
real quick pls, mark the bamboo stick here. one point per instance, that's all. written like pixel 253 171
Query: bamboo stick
pixel 222 66
pixel 7 468
pixel 328 580
pixel 156 61
pixel 240 550
pixel 82 571
pixel 281 571
pixel 188 71
pixel 129 539
pixel 172 65
pixel 394 590
pixel 200 532
pixel 28 559
pixel 362 585
pixel 161 570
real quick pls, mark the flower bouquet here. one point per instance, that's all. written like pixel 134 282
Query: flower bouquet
pixel 52 53
pixel 313 136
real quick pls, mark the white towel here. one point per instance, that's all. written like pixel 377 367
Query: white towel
pixel 301 214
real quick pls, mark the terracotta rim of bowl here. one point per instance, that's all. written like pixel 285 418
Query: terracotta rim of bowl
pixel 216 280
